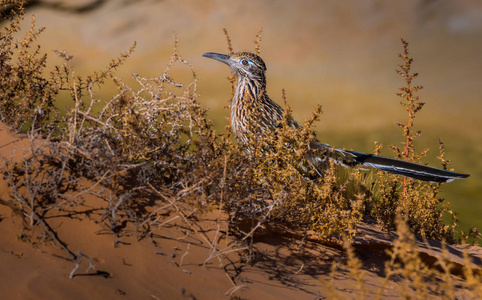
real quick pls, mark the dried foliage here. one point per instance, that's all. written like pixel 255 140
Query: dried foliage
pixel 26 94
pixel 418 202
pixel 406 274
pixel 151 149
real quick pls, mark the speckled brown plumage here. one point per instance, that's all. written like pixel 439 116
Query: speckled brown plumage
pixel 253 112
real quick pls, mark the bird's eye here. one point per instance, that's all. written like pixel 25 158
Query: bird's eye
pixel 244 62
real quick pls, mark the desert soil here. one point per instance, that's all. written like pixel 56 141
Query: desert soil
pixel 185 258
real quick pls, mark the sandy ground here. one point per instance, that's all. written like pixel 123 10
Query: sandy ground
pixel 180 259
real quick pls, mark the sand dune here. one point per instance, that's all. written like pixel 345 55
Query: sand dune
pixel 183 258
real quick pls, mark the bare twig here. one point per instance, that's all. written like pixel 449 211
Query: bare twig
pixel 80 255
pixel 185 253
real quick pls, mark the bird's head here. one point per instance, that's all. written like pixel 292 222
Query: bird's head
pixel 244 64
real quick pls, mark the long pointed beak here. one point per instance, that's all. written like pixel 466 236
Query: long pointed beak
pixel 219 57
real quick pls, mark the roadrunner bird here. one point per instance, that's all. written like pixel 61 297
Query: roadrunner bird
pixel 251 107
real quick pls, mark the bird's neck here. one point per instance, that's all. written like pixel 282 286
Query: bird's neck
pixel 248 92
pixel 247 98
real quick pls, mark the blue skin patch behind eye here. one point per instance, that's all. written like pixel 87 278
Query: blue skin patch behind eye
pixel 249 62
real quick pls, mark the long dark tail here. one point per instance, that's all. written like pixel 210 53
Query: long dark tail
pixel 395 166
pixel 405 168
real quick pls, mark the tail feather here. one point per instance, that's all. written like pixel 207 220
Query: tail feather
pixel 405 168
pixel 349 158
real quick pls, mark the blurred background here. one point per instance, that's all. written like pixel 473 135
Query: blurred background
pixel 341 54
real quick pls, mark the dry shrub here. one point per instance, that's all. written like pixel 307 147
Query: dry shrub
pixel 406 274
pixel 274 184
pixel 418 202
pixel 26 94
